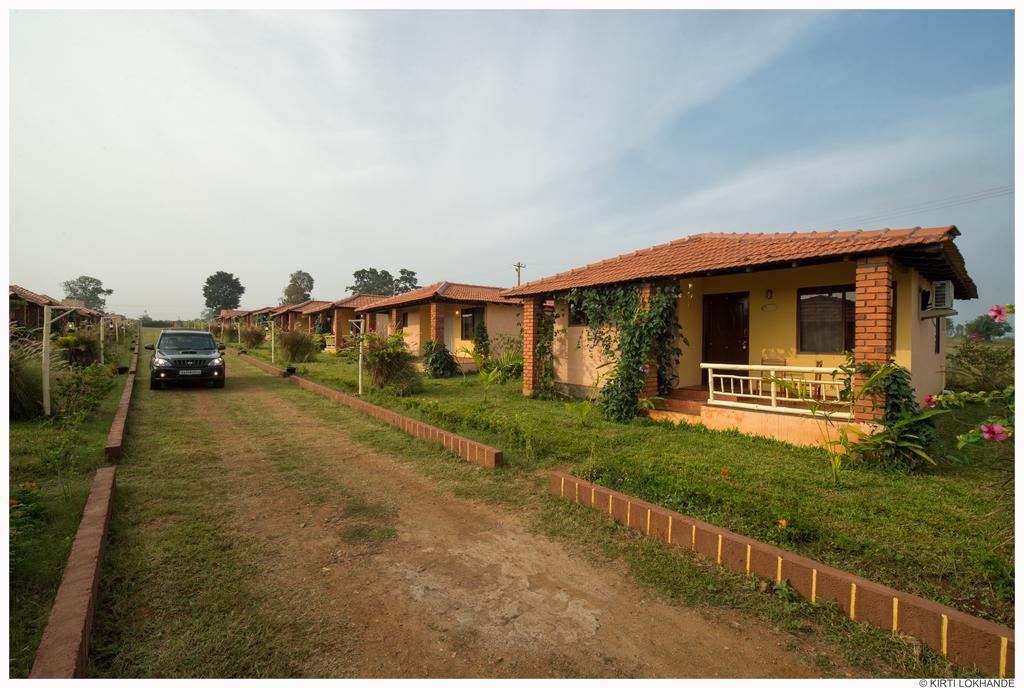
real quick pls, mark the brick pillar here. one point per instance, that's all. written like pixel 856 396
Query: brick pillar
pixel 651 379
pixel 394 320
pixel 436 323
pixel 873 327
pixel 532 311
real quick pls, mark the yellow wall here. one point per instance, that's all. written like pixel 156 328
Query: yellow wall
pixel 772 325
pixel 772 321
pixel 577 363
pixel 499 319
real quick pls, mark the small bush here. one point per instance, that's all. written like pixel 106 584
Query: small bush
pixel 906 431
pixel 79 390
pixel 978 366
pixel 438 361
pixel 81 347
pixel 298 346
pixel 506 358
pixel 252 337
pixel 481 342
pixel 25 512
pixel 390 365
pixel 26 375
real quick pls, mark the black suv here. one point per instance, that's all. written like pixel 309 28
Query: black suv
pixel 184 356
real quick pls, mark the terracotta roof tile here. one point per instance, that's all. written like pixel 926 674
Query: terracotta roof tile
pixel 722 252
pixel 441 291
pixel 314 307
pixel 358 300
pixel 32 297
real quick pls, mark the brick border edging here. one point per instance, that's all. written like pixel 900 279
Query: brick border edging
pixel 463 447
pixel 115 438
pixel 961 638
pixel 64 649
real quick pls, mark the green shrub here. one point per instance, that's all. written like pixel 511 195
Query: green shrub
pixel 506 358
pixel 81 347
pixel 25 513
pixel 979 366
pixel 906 431
pixel 481 342
pixel 390 365
pixel 26 376
pixel 438 361
pixel 81 389
pixel 252 337
pixel 297 346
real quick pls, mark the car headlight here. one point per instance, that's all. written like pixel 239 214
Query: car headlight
pixel 161 362
pixel 219 361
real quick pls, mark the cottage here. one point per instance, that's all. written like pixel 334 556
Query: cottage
pixel 26 307
pixel 344 312
pixel 758 307
pixel 447 312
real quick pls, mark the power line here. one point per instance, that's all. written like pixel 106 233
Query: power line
pixel 935 204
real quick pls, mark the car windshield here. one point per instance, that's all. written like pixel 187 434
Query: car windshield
pixel 186 341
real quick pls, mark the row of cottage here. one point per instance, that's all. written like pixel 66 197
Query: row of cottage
pixel 753 308
pixel 27 308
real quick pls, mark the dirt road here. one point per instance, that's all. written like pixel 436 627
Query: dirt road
pixel 464 589
pixel 429 584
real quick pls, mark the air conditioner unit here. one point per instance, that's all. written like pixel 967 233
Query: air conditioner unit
pixel 937 303
pixel 942 296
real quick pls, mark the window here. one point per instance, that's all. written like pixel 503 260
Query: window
pixel 470 317
pixel 403 320
pixel 938 335
pixel 576 315
pixel 825 319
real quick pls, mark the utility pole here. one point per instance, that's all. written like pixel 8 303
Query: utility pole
pixel 518 266
pixel 102 332
pixel 360 324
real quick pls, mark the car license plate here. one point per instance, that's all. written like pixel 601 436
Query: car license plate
pixel 190 372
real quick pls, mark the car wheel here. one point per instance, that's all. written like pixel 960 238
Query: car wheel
pixel 153 384
pixel 219 384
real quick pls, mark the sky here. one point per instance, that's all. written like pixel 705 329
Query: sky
pixel 152 149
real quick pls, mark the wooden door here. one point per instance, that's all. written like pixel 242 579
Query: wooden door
pixel 726 335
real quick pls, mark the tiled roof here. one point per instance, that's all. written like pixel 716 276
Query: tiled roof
pixel 441 291
pixel 358 300
pixel 284 308
pixel 229 313
pixel 32 297
pixel 930 250
pixel 261 311
pixel 314 307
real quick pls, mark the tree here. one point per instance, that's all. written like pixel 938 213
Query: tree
pixel 406 281
pixel 382 282
pixel 89 291
pixel 985 327
pixel 222 290
pixel 299 289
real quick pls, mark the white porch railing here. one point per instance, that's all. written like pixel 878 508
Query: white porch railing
pixel 780 389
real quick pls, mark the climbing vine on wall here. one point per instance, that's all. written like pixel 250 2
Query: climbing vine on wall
pixel 635 336
pixel 543 351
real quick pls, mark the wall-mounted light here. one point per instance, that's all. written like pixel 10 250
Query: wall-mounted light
pixel 768 294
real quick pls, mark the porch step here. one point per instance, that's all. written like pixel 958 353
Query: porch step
pixel 689 394
pixel 688 406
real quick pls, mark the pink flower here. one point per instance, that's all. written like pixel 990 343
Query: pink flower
pixel 930 400
pixel 998 313
pixel 994 432
pixel 977 336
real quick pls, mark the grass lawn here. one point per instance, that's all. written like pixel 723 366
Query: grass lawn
pixel 945 534
pixel 36 574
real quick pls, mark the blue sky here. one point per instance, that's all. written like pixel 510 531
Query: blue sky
pixel 152 149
